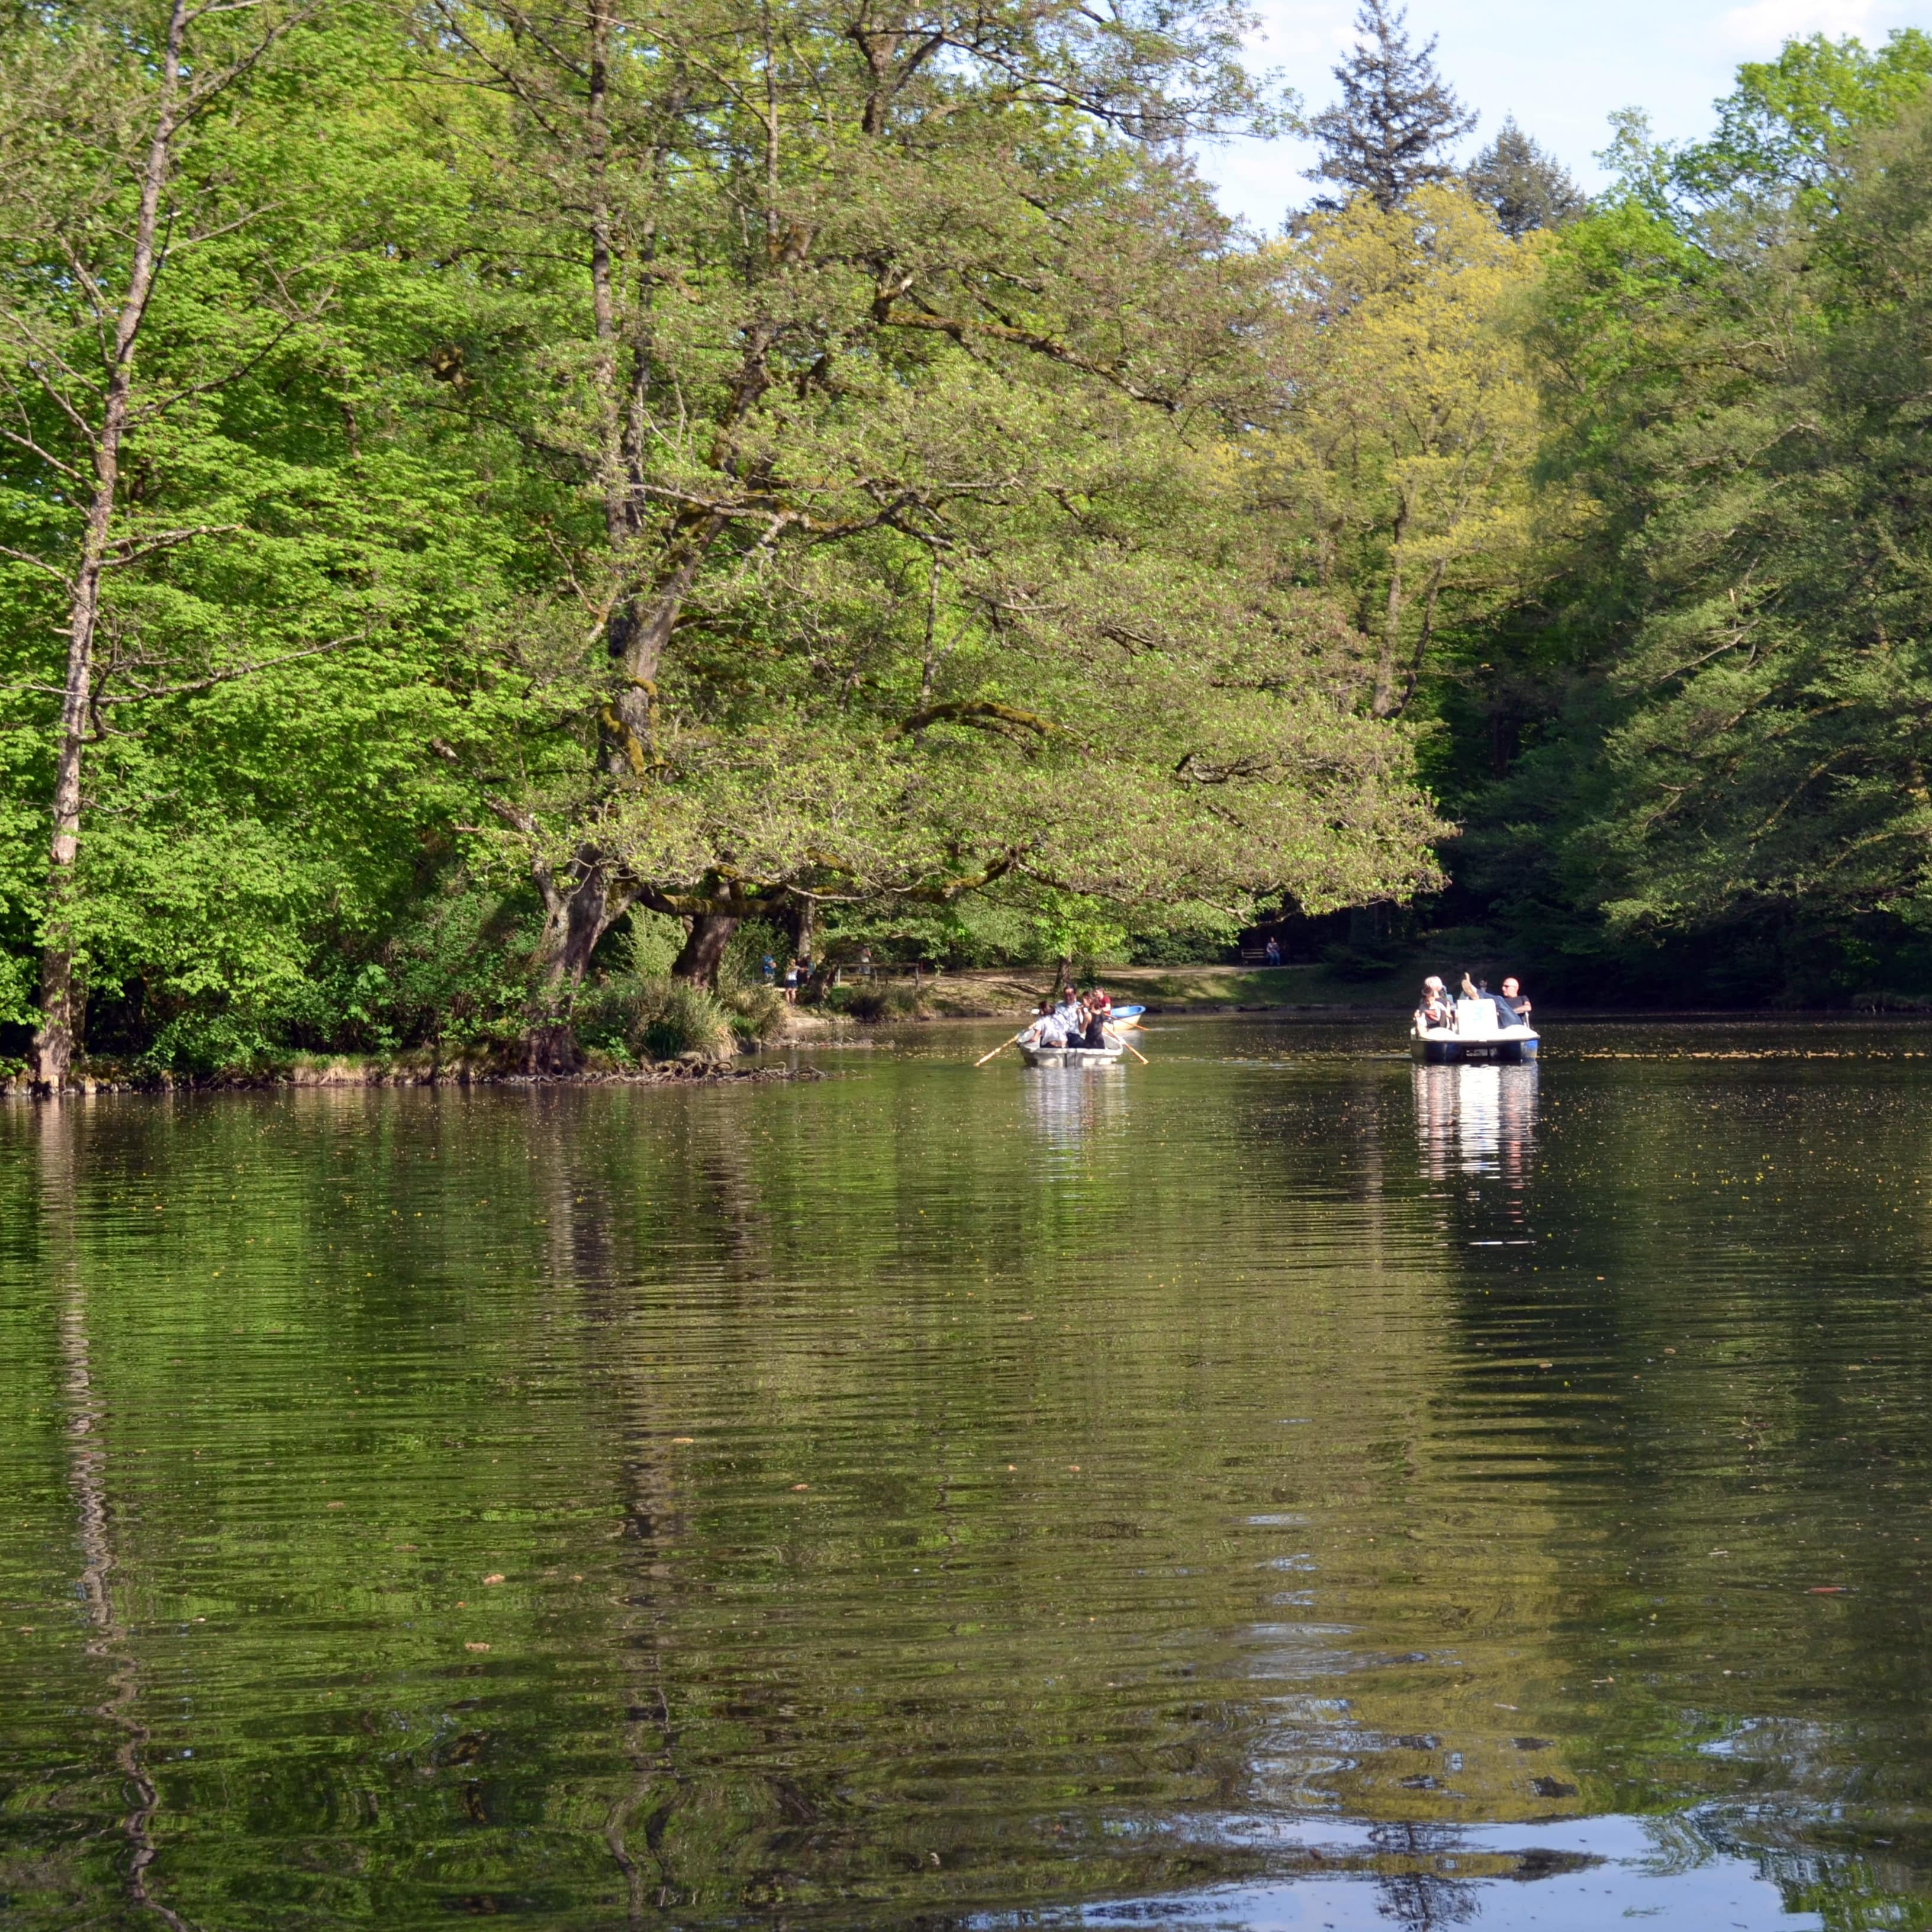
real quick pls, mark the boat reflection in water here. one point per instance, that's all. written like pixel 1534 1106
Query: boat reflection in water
pixel 1071 1106
pixel 1476 1119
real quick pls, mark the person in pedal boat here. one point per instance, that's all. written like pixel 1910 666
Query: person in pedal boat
pixel 1479 989
pixel 1434 1009
pixel 1513 1003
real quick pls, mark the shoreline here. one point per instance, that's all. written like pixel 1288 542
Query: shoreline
pixel 345 1071
pixel 812 1030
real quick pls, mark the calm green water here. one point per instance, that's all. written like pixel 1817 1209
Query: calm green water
pixel 1275 1487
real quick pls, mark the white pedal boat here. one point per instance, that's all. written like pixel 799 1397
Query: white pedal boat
pixel 1478 1038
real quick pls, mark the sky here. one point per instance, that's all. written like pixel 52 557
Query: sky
pixel 1560 67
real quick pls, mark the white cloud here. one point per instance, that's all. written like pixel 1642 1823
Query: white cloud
pixel 1560 67
pixel 1306 33
pixel 1764 25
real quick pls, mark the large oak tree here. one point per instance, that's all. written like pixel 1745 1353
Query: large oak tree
pixel 895 378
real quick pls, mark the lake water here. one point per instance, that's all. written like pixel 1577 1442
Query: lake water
pixel 1277 1487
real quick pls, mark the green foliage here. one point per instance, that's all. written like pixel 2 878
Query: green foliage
pixel 610 1017
pixel 881 589
pixel 644 945
pixel 756 940
pixel 1784 138
pixel 755 1012
pixel 1070 926
pixel 685 1019
pixel 927 483
pixel 1523 186
pixel 630 1017
pixel 1194 935
pixel 1727 784
pixel 1038 928
pixel 1390 132
pixel 874 1001
pixel 1791 123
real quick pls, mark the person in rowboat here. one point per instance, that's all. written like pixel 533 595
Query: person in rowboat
pixel 1071 1015
pixel 1099 1011
pixel 1045 1030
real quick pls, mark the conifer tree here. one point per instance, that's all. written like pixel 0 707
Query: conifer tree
pixel 1525 186
pixel 1386 137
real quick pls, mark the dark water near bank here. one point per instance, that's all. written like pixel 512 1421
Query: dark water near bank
pixel 1276 1487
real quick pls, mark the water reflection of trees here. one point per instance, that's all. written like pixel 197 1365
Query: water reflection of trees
pixel 110 1644
pixel 831 1287
pixel 1416 1891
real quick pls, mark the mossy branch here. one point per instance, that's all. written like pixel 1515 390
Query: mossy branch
pixel 981 713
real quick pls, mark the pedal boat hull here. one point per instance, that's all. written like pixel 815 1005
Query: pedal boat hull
pixel 1440 1046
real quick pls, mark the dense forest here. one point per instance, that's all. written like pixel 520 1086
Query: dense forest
pixel 508 515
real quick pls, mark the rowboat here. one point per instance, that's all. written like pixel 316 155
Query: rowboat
pixel 1476 1039
pixel 1071 1056
pixel 1123 1019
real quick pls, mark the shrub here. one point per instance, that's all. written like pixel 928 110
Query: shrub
pixel 688 1020
pixel 611 1015
pixel 756 1012
pixel 642 944
pixel 876 1001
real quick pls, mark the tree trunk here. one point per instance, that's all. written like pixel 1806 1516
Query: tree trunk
pixel 588 915
pixel 704 949
pixel 804 924
pixel 579 915
pixel 55 1038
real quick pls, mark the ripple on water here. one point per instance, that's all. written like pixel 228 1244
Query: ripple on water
pixel 1277 1485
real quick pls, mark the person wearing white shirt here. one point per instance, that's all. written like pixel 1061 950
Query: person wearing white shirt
pixel 1071 1015
pixel 1046 1029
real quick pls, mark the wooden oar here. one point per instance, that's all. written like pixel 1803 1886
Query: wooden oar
pixel 1129 1045
pixel 1000 1048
